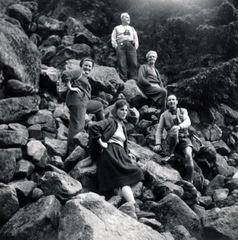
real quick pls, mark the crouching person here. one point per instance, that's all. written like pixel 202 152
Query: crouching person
pixel 176 122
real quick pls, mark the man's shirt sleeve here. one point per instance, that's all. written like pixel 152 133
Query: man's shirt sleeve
pixel 114 38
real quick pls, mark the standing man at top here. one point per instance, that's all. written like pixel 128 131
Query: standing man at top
pixel 125 40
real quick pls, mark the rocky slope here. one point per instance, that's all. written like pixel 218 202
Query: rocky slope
pixel 46 194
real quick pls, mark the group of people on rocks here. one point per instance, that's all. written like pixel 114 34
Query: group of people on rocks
pixel 108 144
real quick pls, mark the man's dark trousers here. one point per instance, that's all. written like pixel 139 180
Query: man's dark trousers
pixel 127 60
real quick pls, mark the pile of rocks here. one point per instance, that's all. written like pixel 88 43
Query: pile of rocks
pixel 46 194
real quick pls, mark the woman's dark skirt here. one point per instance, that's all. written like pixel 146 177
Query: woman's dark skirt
pixel 114 169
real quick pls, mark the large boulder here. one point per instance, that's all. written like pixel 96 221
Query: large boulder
pixel 89 216
pixel 17 108
pixel 221 223
pixel 61 185
pixel 172 211
pixel 134 95
pixel 22 14
pixel 20 58
pixel 34 221
pixel 8 158
pixel 9 203
pixel 106 79
pixel 76 51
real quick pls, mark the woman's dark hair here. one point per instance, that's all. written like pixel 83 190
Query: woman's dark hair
pixel 120 103
pixel 86 59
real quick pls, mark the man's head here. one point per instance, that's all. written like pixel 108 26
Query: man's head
pixel 151 57
pixel 172 101
pixel 125 19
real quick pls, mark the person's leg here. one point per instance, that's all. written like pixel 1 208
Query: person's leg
pixel 96 108
pixel 76 123
pixel 121 61
pixel 162 96
pixel 189 163
pixel 173 141
pixel 132 61
pixel 128 194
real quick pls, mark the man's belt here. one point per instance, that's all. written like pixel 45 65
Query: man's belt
pixel 119 41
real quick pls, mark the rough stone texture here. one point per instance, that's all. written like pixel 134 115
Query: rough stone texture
pixel 18 88
pixel 77 155
pixel 24 168
pixel 8 202
pixel 172 211
pixel 76 51
pixel 82 139
pixel 134 95
pixel 7 165
pixel 49 26
pixel 43 117
pixel 38 152
pixel 223 168
pixel 36 221
pixel 56 147
pixel 11 138
pixel 15 109
pixel 221 223
pixel 217 182
pixel 48 53
pixel 35 131
pixel 106 79
pixel 89 216
pixel 221 147
pixel 49 77
pixel 21 13
pixel 24 190
pixel 61 185
pixel 162 173
pixel 20 57
pixel 85 172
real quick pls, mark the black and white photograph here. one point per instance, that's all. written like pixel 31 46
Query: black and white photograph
pixel 118 120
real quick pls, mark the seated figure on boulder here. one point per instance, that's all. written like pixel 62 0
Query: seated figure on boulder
pixel 176 122
pixel 150 83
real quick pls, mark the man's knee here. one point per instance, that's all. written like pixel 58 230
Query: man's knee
pixel 188 156
pixel 164 92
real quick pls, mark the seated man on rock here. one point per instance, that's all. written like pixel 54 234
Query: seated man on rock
pixel 176 122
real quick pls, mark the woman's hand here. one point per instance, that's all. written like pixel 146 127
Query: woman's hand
pixel 102 144
pixel 75 89
pixel 132 158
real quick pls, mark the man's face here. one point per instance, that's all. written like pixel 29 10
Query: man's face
pixel 125 20
pixel 172 101
pixel 152 59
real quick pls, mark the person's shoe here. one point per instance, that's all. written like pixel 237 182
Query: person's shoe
pixel 168 159
pixel 142 214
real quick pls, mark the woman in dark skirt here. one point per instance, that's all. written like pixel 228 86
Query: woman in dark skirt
pixel 108 148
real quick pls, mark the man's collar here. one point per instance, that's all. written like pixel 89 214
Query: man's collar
pixel 173 111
